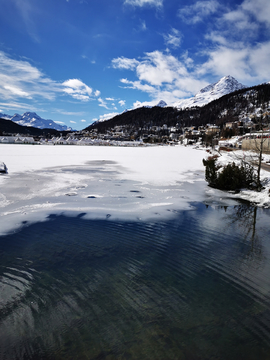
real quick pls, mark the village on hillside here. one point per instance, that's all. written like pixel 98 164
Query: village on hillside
pixel 238 134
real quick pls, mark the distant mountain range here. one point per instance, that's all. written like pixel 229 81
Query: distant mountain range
pixel 31 119
pixel 8 127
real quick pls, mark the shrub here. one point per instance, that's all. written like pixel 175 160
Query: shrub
pixel 231 177
pixel 211 169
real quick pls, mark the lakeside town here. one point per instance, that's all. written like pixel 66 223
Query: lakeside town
pixel 238 134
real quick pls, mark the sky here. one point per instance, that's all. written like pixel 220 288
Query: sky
pixel 78 61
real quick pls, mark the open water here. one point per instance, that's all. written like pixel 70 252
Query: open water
pixel 195 287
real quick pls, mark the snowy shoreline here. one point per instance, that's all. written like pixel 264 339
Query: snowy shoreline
pixel 149 183
pixel 261 198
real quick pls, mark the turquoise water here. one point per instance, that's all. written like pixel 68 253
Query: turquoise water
pixel 195 287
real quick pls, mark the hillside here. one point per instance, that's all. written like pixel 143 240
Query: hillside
pixel 247 102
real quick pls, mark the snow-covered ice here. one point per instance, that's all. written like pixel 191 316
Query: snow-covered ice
pixel 101 182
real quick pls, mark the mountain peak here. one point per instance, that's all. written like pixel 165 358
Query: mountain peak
pixel 162 103
pixel 31 114
pixel 224 86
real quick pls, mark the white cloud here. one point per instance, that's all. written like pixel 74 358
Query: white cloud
pixel 258 8
pixel 173 39
pixel 122 102
pixel 20 107
pixel 137 85
pixel 124 63
pixel 159 68
pixel 240 19
pixel 138 104
pixel 77 89
pixel 245 20
pixel 195 13
pixel 110 99
pixel 19 79
pixel 97 93
pixel 239 23
pixel 246 63
pixel 164 77
pixel 225 60
pixel 16 91
pixel 188 61
pixel 69 113
pixel 237 47
pixel 141 3
pixel 27 12
pixel 143 26
pixel 102 103
pixel 106 116
pixel 72 122
pixel 83 120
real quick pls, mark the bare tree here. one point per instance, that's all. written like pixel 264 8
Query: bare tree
pixel 259 144
pixel 256 158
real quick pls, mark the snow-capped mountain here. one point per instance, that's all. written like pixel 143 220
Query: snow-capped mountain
pixel 224 86
pixel 162 103
pixel 31 119
pixel 5 116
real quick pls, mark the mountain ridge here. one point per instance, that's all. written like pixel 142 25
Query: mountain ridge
pixel 241 104
pixel 8 128
pixel 211 92
pixel 31 119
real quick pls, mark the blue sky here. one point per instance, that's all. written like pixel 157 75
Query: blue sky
pixel 76 61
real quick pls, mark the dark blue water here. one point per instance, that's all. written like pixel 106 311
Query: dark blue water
pixel 195 287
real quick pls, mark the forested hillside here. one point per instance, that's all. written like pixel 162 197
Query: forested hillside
pixel 249 102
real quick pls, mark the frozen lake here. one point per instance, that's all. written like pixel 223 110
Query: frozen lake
pixel 122 253
pixel 125 183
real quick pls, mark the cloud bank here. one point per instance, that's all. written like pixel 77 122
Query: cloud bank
pixel 21 80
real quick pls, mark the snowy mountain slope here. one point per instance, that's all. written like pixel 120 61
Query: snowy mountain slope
pixel 5 116
pixel 224 86
pixel 31 119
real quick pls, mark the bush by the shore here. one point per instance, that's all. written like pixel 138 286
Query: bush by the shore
pixel 231 177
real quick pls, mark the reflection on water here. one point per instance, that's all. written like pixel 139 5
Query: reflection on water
pixel 196 287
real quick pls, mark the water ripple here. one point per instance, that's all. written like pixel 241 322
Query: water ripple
pixel 196 287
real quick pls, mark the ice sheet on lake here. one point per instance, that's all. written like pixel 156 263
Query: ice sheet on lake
pixel 100 182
